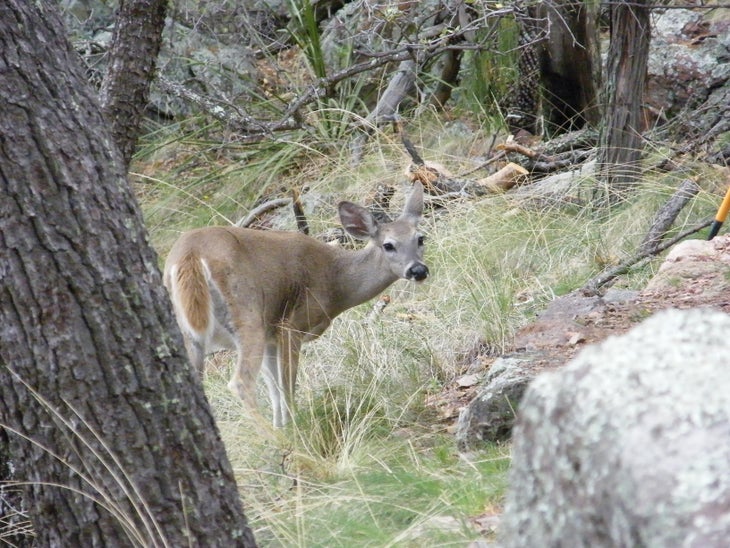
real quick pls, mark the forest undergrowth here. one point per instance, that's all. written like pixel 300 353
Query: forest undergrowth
pixel 368 462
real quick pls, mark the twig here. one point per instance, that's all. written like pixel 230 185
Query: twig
pixel 607 276
pixel 296 202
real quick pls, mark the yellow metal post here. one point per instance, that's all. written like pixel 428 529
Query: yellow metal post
pixel 721 216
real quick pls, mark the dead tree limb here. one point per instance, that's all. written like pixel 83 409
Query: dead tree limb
pixel 665 217
pixel 438 181
pixel 260 210
pixel 540 162
pixel 608 276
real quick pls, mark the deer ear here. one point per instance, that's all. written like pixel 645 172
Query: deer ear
pixel 413 209
pixel 357 221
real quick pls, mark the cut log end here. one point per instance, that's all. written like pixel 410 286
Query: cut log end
pixel 509 176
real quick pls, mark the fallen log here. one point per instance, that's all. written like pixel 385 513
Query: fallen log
pixel 665 217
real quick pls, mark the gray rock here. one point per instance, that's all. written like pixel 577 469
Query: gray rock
pixel 629 444
pixel 490 415
pixel 688 67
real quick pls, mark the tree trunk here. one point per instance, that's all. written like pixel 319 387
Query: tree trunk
pixel 559 67
pixel 522 104
pixel 108 423
pixel 449 78
pixel 620 143
pixel 133 54
pixel 571 69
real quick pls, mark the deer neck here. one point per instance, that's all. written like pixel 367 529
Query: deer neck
pixel 361 275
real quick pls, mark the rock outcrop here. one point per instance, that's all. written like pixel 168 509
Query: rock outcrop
pixel 628 444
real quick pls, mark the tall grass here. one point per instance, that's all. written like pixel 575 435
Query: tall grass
pixel 367 463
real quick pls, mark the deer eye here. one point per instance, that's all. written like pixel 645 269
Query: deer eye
pixel 421 239
pixel 388 246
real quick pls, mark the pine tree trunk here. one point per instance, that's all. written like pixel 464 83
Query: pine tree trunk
pixel 133 55
pixel 620 143
pixel 107 422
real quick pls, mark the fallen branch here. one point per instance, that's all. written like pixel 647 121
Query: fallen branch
pixel 513 146
pixel 260 210
pixel 510 175
pixel 608 276
pixel 546 163
pixel 665 217
pixel 438 181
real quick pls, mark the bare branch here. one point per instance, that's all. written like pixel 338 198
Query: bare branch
pixel 608 276
pixel 263 208
pixel 664 218
pixel 434 41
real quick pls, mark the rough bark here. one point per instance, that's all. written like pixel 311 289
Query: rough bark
pixel 107 422
pixel 125 89
pixel 558 67
pixel 571 69
pixel 620 143
pixel 523 102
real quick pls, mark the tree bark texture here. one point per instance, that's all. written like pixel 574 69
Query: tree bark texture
pixel 620 144
pixel 132 59
pixel 107 421
pixel 523 102
pixel 559 67
pixel 571 68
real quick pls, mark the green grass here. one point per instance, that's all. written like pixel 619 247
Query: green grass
pixel 386 492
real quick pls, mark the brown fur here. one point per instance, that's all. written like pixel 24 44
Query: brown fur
pixel 192 287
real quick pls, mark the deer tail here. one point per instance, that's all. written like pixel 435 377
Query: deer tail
pixel 190 292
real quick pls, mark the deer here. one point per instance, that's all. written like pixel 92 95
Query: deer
pixel 263 293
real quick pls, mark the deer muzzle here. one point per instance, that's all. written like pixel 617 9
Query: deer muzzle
pixel 417 272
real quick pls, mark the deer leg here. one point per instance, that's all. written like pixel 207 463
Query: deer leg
pixel 250 345
pixel 272 377
pixel 196 353
pixel 289 346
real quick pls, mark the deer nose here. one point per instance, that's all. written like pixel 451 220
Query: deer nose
pixel 418 272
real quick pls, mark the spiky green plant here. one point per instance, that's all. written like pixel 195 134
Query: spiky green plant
pixel 305 31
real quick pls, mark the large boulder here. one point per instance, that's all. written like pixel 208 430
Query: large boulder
pixel 566 325
pixel 688 76
pixel 629 444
